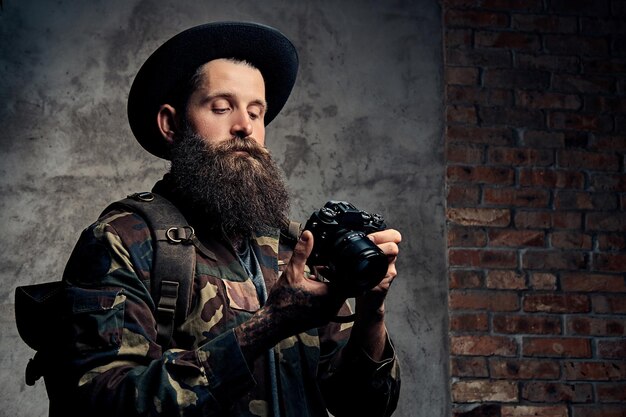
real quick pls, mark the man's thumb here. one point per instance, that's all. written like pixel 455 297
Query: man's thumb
pixel 303 248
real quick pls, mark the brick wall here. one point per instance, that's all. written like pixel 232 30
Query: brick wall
pixel 535 96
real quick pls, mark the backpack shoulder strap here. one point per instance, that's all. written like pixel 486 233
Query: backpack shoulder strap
pixel 171 278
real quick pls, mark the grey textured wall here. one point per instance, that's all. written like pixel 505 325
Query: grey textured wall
pixel 364 124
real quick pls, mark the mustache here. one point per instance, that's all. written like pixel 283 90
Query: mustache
pixel 237 144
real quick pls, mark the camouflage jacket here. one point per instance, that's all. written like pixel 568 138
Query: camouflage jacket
pixel 109 363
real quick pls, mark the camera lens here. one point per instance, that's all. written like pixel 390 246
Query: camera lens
pixel 358 262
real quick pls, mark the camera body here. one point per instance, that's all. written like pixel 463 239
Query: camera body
pixel 353 262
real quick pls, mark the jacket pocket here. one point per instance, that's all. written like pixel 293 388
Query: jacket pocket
pixel 96 318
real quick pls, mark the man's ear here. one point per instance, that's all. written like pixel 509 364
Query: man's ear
pixel 167 122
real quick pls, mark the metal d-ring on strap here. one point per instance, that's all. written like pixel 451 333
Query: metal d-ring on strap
pixel 179 235
pixel 146 196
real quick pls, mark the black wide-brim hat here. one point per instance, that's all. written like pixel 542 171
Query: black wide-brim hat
pixel 168 71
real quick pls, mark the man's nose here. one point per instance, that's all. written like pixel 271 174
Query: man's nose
pixel 242 125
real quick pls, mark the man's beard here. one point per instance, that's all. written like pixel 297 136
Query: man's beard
pixel 241 193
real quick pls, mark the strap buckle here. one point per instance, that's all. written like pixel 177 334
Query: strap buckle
pixel 143 196
pixel 183 234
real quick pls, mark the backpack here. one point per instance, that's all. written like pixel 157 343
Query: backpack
pixel 38 307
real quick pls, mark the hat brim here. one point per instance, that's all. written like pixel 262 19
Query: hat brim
pixel 172 65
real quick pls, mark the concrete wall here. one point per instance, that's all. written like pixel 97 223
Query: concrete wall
pixel 364 124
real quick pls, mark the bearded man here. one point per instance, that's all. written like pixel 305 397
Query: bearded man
pixel 257 339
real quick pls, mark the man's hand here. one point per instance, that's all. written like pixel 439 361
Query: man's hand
pixel 295 303
pixel 369 331
pixel 298 302
pixel 371 304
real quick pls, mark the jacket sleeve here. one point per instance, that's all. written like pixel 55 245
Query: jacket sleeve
pixel 352 383
pixel 118 367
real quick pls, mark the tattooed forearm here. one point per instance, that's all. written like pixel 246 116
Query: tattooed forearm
pixel 288 311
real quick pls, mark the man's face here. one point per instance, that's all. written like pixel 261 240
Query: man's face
pixel 228 102
pixel 218 160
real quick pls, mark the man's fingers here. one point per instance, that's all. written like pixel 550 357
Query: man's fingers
pixel 388 235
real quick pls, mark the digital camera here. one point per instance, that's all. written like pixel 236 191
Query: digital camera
pixel 353 262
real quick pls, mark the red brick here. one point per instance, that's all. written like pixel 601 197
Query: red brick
pixel 460 114
pixel 566 219
pixel 520 156
pixel 468 367
pixel 594 26
pixel 609 262
pixel 506 280
pixel 525 324
pixel 612 242
pixel 552 63
pixel 580 122
pixel 534 411
pixel 545 220
pixel 544 23
pixel 523 369
pixel 594 371
pixel 607 221
pixel 474 322
pixel 592 282
pixel 479 216
pixel 576 45
pixel 579 7
pixel 482 346
pixel 542 281
pixel 484 58
pixel 609 304
pixel 478 95
pixel 599 411
pixel 603 104
pixel 512 116
pixel 509 5
pixel 518 197
pixel 608 182
pixel 570 240
pixel 458 37
pixel 592 84
pixel 541 177
pixel 542 139
pixel 516 238
pixel 603 65
pixel 556 303
pixel 611 393
pixel 588 160
pixel 585 201
pixel 612 349
pixel 463 195
pixel 479 135
pixel 551 392
pixel 563 347
pixel 533 219
pixel 573 200
pixel 461 76
pixel 546 100
pixel 480 175
pixel 483 300
pixel 509 78
pixel 554 259
pixel 482 258
pixel 593 326
pixel 460 153
pixel 475 19
pixel 509 40
pixel 465 279
pixel 482 390
pixel 466 237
